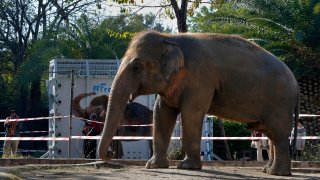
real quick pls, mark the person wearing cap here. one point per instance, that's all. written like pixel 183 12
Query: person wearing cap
pixel 300 143
pixel 13 128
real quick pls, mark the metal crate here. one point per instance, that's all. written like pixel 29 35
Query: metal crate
pixel 83 67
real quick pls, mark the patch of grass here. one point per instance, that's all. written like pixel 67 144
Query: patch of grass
pixel 17 156
pixel 176 154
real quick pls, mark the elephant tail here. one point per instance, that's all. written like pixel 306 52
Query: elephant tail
pixel 296 119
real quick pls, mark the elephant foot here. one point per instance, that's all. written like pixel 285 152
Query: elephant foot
pixel 279 172
pixel 190 164
pixel 108 156
pixel 155 163
pixel 266 167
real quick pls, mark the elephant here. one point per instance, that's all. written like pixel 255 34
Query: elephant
pixel 134 114
pixel 97 106
pixel 201 73
pixel 95 112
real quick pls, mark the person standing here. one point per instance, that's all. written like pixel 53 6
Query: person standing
pixel 257 144
pixel 300 143
pixel 93 127
pixel 13 129
pixel 261 145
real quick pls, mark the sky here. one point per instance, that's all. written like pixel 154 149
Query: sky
pixel 113 9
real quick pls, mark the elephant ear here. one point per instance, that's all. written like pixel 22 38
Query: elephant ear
pixel 172 59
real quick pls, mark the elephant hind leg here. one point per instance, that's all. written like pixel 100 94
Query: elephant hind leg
pixel 281 164
pixel 278 134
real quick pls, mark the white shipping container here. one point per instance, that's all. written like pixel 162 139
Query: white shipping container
pixel 89 76
pixel 206 146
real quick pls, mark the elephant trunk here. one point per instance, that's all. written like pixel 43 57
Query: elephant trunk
pixel 118 97
pixel 77 110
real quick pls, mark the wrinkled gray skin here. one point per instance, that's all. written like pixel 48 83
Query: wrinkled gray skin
pixel 198 74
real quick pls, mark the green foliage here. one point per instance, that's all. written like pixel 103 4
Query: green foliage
pixel 312 150
pixel 83 39
pixel 17 156
pixel 176 154
pixel 232 129
pixel 6 83
pixel 37 62
pixel 289 29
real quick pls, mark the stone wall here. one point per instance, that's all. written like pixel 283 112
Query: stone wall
pixel 310 103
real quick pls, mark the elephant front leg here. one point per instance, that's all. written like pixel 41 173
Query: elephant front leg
pixel 164 120
pixel 191 134
pixel 118 149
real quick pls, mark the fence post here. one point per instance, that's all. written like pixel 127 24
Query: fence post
pixel 70 115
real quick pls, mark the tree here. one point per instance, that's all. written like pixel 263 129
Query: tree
pixel 181 14
pixel 84 39
pixel 6 83
pixel 232 129
pixel 172 9
pixel 22 22
pixel 288 29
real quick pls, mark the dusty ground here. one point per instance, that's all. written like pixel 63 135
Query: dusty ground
pixel 116 171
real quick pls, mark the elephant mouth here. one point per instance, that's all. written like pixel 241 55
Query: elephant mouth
pixel 132 97
pixel 93 116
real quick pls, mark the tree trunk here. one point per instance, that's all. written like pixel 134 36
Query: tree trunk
pixel 22 103
pixel 181 14
pixel 35 108
pixel 223 134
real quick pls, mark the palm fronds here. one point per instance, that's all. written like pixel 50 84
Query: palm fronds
pixel 288 29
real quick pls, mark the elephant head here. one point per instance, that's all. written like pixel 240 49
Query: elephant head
pixel 151 64
pixel 96 108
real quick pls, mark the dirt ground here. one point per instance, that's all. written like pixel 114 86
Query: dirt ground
pixel 118 171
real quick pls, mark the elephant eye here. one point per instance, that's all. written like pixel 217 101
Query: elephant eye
pixel 100 108
pixel 137 67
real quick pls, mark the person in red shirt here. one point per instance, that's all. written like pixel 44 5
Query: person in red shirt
pixel 13 129
pixel 92 128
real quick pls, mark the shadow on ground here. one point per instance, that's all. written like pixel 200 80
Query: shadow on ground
pixel 118 171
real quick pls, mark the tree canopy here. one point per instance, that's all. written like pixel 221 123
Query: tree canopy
pixel 288 29
pixel 32 32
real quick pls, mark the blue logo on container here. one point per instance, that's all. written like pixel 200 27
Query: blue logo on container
pixel 101 88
